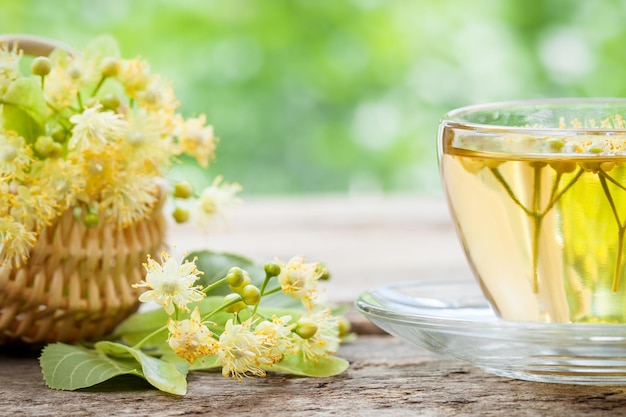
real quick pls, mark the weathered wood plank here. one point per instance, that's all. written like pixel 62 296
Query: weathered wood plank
pixel 387 377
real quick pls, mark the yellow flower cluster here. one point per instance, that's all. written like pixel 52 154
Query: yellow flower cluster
pixel 88 131
pixel 249 343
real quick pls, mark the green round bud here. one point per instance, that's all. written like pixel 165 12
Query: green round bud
pixel 235 307
pixel 57 150
pixel 272 269
pixel 40 66
pixel 183 189
pixel 44 145
pixel 595 149
pixel 555 145
pixel 91 219
pixel 607 166
pixel 234 277
pixel 563 167
pixel 110 101
pixel 91 102
pixel 590 166
pixel 180 214
pixel 245 280
pixel 74 73
pixel 110 67
pixel 343 325
pixel 324 275
pixel 59 134
pixel 306 328
pixel 250 295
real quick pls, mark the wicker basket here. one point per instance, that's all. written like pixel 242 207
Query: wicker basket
pixel 77 282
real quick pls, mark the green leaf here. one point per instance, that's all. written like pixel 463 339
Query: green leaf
pixel 24 108
pixel 140 325
pixel 215 265
pixel 67 367
pixel 163 375
pixel 296 364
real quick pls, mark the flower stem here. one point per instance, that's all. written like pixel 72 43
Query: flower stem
pixel 537 217
pixel 95 91
pixel 214 285
pixel 263 286
pixel 496 173
pixel 536 213
pixel 220 308
pixel 620 227
pixel 143 341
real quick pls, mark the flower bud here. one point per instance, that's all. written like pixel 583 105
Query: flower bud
pixel 242 281
pixel 234 277
pixel 44 145
pixel 180 214
pixel 250 295
pixel 306 328
pixel 110 101
pixel 344 326
pixel 110 67
pixel 74 73
pixel 91 219
pixel 607 166
pixel 563 167
pixel 236 307
pixel 272 269
pixel 183 189
pixel 324 275
pixel 59 134
pixel 40 66
pixel 57 150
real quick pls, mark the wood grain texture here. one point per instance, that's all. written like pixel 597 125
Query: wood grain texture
pixel 387 377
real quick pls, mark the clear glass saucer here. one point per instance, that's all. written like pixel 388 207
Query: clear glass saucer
pixel 451 317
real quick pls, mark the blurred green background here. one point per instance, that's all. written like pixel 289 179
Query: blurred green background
pixel 345 95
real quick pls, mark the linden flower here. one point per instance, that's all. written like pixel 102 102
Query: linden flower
pixel 159 97
pixel 15 242
pixel 196 139
pixel 241 352
pixel 129 197
pixel 94 128
pixel 36 206
pixel 299 279
pixel 171 283
pixel 275 336
pixel 15 157
pixel 216 204
pixel 190 339
pixel 325 341
pixel 9 66
pixel 134 75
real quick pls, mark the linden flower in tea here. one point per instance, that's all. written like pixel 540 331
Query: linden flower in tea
pixel 92 132
pixel 557 226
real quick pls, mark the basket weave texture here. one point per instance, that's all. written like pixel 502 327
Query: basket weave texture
pixel 77 284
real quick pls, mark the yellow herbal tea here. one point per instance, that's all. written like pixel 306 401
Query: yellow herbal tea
pixel 542 216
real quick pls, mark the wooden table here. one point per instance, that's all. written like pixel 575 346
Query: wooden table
pixel 366 242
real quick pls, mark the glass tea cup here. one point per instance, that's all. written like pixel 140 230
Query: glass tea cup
pixel 537 190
